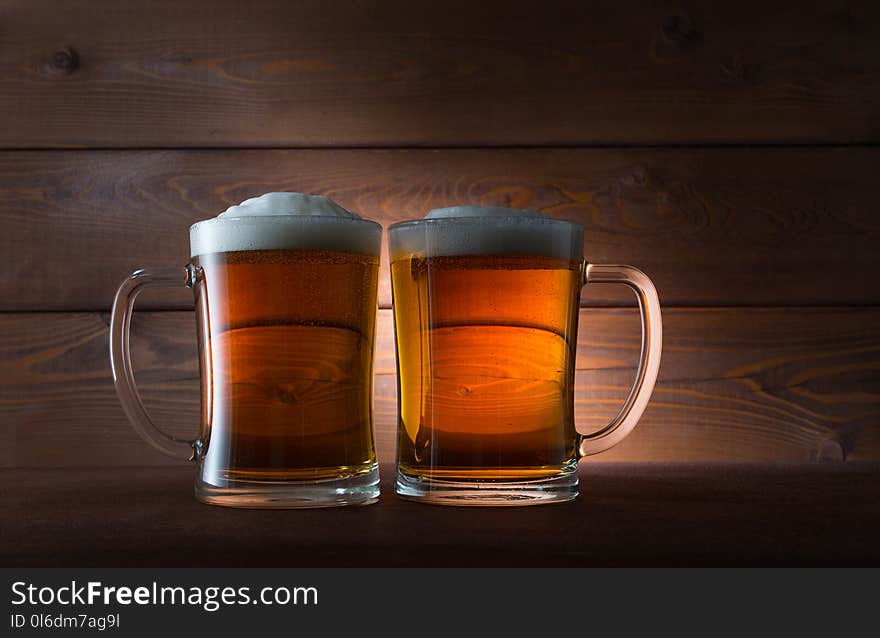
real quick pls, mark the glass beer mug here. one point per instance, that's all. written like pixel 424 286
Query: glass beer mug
pixel 486 305
pixel 285 288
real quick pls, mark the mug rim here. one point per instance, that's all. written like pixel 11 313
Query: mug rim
pixel 285 219
pixel 496 219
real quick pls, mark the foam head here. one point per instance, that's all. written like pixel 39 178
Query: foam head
pixel 483 230
pixel 291 221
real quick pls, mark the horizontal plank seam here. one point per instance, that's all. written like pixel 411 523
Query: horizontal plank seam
pixel 849 306
pixel 817 144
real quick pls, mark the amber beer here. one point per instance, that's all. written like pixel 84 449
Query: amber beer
pixel 287 364
pixel 285 289
pixel 286 297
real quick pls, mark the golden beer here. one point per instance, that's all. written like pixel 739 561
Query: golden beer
pixel 486 348
pixel 486 304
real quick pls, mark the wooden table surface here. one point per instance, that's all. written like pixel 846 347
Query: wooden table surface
pixel 627 514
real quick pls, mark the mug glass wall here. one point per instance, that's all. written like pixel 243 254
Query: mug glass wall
pixel 286 336
pixel 486 319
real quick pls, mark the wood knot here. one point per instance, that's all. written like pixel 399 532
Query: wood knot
pixel 640 176
pixel 286 394
pixel 741 72
pixel 64 60
pixel 679 29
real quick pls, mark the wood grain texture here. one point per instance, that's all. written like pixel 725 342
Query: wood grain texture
pixel 713 227
pixel 497 72
pixel 735 384
pixel 626 514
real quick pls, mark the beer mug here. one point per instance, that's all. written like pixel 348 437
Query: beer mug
pixel 285 292
pixel 486 305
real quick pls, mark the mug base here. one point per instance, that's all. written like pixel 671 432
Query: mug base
pixel 487 493
pixel 359 489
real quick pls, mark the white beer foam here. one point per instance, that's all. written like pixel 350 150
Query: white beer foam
pixel 486 230
pixel 292 221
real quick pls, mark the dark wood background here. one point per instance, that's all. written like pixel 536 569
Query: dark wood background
pixel 728 150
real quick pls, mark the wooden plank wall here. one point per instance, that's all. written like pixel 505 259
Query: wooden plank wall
pixel 728 150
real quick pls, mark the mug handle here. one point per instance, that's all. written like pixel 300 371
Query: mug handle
pixel 120 356
pixel 649 359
